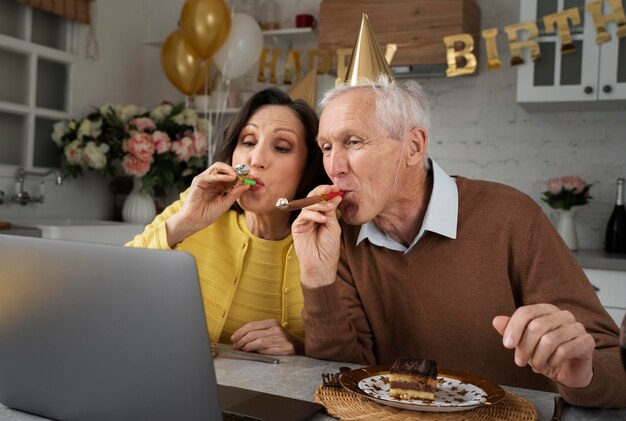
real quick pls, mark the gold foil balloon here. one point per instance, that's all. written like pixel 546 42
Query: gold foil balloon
pixel 205 24
pixel 182 64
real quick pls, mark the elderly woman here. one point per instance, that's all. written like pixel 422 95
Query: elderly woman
pixel 249 272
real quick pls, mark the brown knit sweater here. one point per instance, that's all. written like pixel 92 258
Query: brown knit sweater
pixel 438 300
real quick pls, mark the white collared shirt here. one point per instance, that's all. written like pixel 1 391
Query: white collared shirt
pixel 441 214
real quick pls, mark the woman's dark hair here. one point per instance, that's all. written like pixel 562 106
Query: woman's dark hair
pixel 314 173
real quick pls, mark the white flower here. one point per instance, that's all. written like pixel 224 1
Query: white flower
pixel 203 124
pixel 89 128
pixel 60 129
pixel 130 111
pixel 161 112
pixel 187 117
pixel 73 152
pixel 93 156
pixel 106 108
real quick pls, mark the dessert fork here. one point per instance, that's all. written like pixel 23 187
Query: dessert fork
pixel 332 379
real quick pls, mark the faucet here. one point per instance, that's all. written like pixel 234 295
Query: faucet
pixel 21 196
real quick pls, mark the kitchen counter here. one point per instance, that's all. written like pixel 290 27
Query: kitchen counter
pixel 298 377
pixel 598 259
pixel 93 231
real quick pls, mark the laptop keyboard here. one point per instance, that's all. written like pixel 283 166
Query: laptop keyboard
pixel 231 416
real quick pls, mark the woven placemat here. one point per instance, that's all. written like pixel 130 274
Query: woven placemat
pixel 345 405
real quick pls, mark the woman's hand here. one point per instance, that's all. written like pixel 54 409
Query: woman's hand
pixel 266 337
pixel 316 238
pixel 210 195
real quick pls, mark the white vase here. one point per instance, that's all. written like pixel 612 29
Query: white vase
pixel 139 206
pixel 566 226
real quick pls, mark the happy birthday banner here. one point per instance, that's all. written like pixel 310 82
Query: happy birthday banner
pixel 462 61
pixel 459 48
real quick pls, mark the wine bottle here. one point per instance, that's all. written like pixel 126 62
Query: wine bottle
pixel 615 240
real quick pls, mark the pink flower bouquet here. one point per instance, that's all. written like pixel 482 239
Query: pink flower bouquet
pixel 165 146
pixel 567 191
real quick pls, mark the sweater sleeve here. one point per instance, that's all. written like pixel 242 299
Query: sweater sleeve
pixel 554 276
pixel 154 236
pixel 335 323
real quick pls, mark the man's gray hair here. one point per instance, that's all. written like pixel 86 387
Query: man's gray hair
pixel 398 107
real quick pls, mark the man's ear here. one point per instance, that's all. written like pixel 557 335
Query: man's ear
pixel 417 146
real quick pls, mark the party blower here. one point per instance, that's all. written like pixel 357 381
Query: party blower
pixel 242 170
pixel 286 205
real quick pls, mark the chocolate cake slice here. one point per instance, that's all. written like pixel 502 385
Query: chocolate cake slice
pixel 413 378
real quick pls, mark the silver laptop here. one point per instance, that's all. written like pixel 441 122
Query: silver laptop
pixel 102 332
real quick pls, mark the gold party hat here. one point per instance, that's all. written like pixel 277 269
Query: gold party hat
pixel 367 60
pixel 306 88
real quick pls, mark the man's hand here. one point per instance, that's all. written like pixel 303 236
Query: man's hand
pixel 266 337
pixel 551 341
pixel 316 235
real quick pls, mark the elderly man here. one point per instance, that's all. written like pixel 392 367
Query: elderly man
pixel 468 273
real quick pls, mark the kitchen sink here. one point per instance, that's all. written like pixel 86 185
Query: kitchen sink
pixel 88 230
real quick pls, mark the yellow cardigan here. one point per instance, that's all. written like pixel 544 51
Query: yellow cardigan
pixel 219 251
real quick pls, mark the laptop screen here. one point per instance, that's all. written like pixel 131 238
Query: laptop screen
pixel 101 332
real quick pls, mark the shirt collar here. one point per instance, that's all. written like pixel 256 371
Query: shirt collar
pixel 440 217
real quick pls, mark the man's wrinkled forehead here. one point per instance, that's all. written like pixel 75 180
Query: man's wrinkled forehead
pixel 350 114
pixel 361 92
pixel 358 101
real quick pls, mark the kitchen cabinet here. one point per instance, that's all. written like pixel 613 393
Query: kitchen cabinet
pixel 37 53
pixel 417 27
pixel 594 74
pixel 610 286
pixel 288 37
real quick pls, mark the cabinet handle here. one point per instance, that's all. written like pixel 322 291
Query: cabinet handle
pixel 607 89
pixel 588 90
pixel 595 288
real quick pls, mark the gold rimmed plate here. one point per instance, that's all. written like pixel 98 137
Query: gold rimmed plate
pixel 456 391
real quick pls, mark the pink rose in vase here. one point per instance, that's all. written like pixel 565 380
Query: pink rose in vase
pixel 139 144
pixel 133 165
pixel 162 142
pixel 555 185
pixel 200 144
pixel 184 149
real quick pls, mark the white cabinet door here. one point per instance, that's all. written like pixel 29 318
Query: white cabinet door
pixel 594 72
pixel 612 77
pixel 611 289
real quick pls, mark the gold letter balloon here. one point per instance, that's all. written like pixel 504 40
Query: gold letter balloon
pixel 182 64
pixel 205 24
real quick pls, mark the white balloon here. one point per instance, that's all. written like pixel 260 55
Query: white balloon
pixel 241 49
